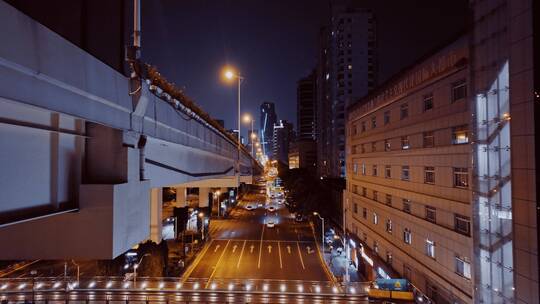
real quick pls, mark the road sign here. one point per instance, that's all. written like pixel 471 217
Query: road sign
pixel 393 284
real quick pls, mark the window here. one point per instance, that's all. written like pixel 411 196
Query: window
pixel 363 169
pixel 429 140
pixel 363 147
pixel 375 195
pixel 462 224
pixel 373 122
pixel 355 189
pixel 364 213
pixel 428 102
pixel 386 117
pixel 388 171
pixel 363 126
pixel 430 248
pixel 459 90
pixel 375 218
pixel 364 191
pixel 407 236
pixel 355 168
pixel 374 146
pixel 461 178
pixel 389 258
pixel 405 173
pixel 374 170
pixel 355 208
pixel 429 175
pixel 389 226
pixel 376 246
pixel 407 205
pixel 407 272
pixel 388 199
pixel 460 135
pixel 463 267
pixel 387 145
pixel 431 214
pixel 404 111
pixel 365 236
pixel 405 142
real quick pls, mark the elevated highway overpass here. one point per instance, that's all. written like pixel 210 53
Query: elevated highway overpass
pixel 85 151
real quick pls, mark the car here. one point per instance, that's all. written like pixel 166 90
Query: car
pixel 249 207
pixel 271 208
pixel 270 224
pixel 298 217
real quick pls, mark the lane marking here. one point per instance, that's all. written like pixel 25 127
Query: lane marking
pixel 309 251
pixel 198 259
pixel 267 240
pixel 251 247
pixel 241 252
pixel 269 248
pixel 300 255
pixel 236 246
pixel 260 248
pixel 217 264
pixel 289 249
pixel 217 247
pixel 279 251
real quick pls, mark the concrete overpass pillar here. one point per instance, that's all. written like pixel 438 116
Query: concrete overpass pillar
pixel 156 213
pixel 204 197
pixel 181 197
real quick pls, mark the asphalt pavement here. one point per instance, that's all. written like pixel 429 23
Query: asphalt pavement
pixel 243 247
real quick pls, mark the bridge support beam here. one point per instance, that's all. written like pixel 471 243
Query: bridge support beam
pixel 204 198
pixel 181 197
pixel 156 213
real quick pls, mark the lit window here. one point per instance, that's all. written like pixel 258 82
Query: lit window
pixel 431 214
pixel 349 66
pixel 405 142
pixel 430 248
pixel 462 224
pixel 374 171
pixel 407 205
pixel 355 168
pixel 429 175
pixel 461 178
pixel 429 140
pixel 404 111
pixel 407 236
pixel 376 246
pixel 388 171
pixel 389 226
pixel 463 267
pixel 460 135
pixel 389 258
pixel 405 173
pixel 375 218
pixel 428 102
pixel 327 75
pixel 459 90
pixel 387 146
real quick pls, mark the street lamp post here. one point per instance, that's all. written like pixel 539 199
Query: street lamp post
pixel 322 239
pixel 135 269
pixel 229 74
pixel 78 270
pixel 201 216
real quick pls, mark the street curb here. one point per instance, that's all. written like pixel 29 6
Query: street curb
pixel 192 266
pixel 321 257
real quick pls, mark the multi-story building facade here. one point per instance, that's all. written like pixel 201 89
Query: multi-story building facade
pixel 283 135
pixel 306 108
pixel 267 122
pixel 346 71
pixel 409 174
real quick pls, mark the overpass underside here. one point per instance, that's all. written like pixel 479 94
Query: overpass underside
pixel 82 161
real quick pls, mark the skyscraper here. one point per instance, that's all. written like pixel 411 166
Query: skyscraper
pixel 346 72
pixel 283 135
pixel 267 121
pixel 306 103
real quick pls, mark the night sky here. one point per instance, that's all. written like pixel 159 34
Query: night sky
pixel 274 43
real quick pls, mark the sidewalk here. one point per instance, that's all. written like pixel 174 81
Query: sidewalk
pixel 337 264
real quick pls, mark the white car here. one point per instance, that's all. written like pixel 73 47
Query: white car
pixel 270 224
pixel 249 207
pixel 271 208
